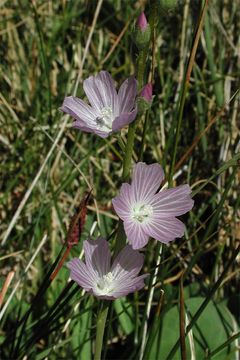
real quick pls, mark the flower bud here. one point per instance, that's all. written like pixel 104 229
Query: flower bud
pixel 144 99
pixel 146 92
pixel 142 32
pixel 142 22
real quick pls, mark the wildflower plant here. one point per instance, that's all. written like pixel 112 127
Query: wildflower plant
pixel 129 265
pixel 144 211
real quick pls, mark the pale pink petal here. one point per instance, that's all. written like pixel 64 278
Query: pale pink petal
pixel 79 110
pixel 165 229
pixel 127 264
pixel 128 285
pixel 101 91
pixel 136 235
pixel 122 204
pixel 124 119
pixel 102 134
pixel 127 94
pixel 172 202
pixel 97 255
pixel 78 125
pixel 146 180
pixel 81 274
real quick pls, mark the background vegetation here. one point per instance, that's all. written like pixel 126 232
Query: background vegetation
pixel 47 49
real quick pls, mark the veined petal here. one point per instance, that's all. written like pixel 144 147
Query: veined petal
pixel 101 92
pixel 127 94
pixel 122 203
pixel 97 255
pixel 165 229
pixel 80 274
pixel 136 234
pixel 124 119
pixel 146 180
pixel 172 202
pixel 128 285
pixel 90 129
pixel 79 110
pixel 127 264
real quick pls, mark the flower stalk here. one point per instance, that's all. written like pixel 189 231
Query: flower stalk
pixel 141 65
pixel 101 321
pixel 121 237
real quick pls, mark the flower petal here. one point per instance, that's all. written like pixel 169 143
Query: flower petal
pixel 101 92
pixel 127 264
pixel 97 255
pixel 124 119
pixel 126 286
pixel 80 274
pixel 79 110
pixel 122 204
pixel 146 180
pixel 127 95
pixel 172 202
pixel 90 129
pixel 136 234
pixel 165 229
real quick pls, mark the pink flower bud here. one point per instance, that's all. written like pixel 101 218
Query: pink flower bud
pixel 142 22
pixel 146 92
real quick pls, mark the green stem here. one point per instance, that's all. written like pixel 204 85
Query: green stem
pixel 140 158
pixel 152 280
pixel 217 82
pixel 184 89
pixel 101 322
pixel 132 127
pixel 127 160
pixel 129 150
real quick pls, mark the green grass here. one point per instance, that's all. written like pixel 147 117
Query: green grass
pixel 46 167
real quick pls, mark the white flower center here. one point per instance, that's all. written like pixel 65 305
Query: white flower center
pixel 105 285
pixel 142 212
pixel 105 119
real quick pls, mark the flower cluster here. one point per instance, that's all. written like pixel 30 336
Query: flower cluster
pixel 146 211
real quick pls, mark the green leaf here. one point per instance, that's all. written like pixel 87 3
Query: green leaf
pixel 212 329
pixel 81 336
pixel 124 311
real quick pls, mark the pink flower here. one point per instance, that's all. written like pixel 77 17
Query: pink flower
pixel 148 213
pixel 109 110
pixel 146 92
pixel 142 22
pixel 98 277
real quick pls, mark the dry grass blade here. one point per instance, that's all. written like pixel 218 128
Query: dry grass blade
pixel 33 184
pixel 25 271
pixel 6 286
